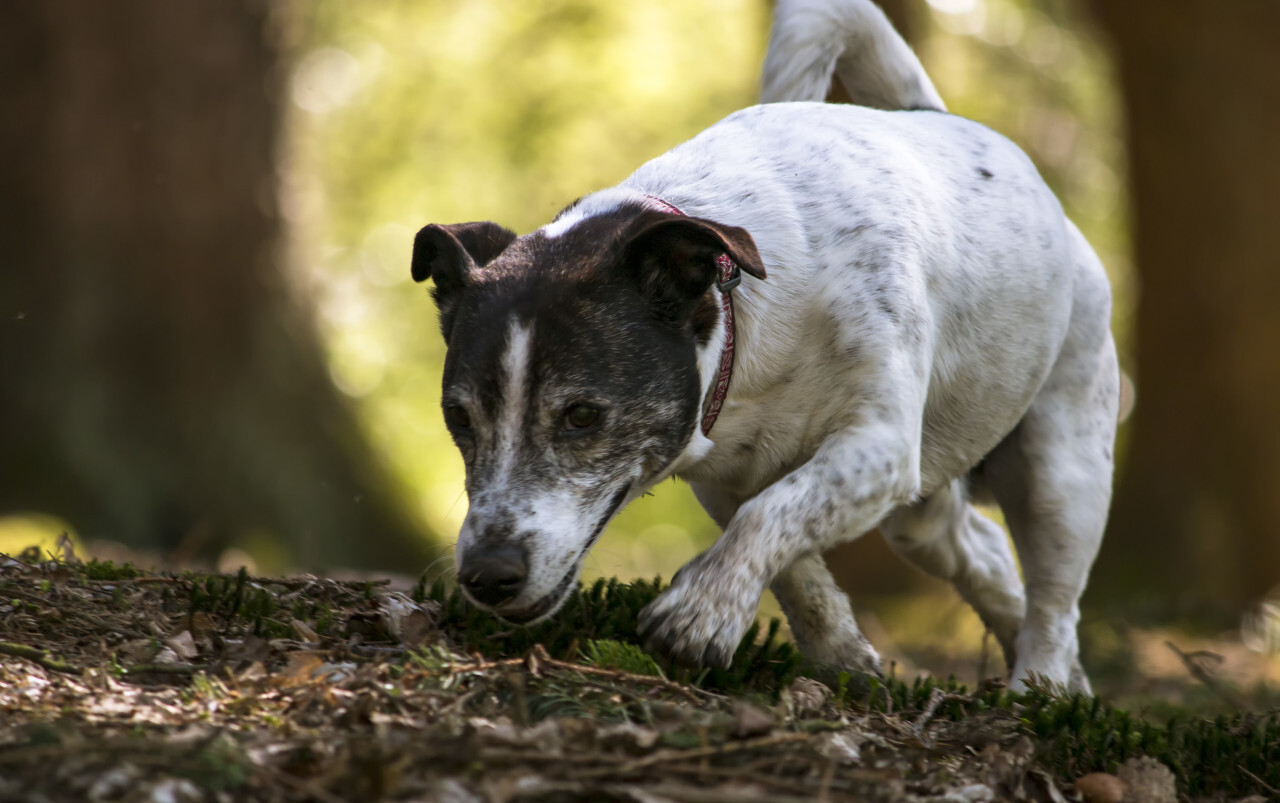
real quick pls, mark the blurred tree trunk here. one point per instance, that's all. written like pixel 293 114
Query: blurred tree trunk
pixel 160 384
pixel 1196 521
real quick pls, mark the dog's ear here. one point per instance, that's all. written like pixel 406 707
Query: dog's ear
pixel 673 258
pixel 448 254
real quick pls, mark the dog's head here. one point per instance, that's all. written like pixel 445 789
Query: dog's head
pixel 571 381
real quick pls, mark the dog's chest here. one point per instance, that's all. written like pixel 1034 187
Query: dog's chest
pixel 763 435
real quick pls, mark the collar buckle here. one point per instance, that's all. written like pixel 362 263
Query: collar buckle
pixel 730 277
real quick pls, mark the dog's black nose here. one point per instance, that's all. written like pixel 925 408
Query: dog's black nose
pixel 494 575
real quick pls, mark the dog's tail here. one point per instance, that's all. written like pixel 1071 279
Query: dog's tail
pixel 812 40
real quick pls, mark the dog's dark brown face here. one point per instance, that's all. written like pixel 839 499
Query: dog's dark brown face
pixel 571 382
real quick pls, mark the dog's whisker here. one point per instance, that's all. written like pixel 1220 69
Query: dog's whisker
pixel 445 560
pixel 453 506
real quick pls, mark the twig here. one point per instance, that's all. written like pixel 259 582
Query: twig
pixel 670 757
pixel 1259 781
pixel 826 780
pixel 45 659
pixel 96 623
pixel 41 657
pixel 9 557
pixel 936 698
pixel 31 755
pixel 482 666
pixel 1198 672
pixel 517 755
pixel 149 579
pixel 292 583
pixel 665 790
pixel 824 787
pixel 695 794
pixel 619 675
pixel 374 649
pixel 165 669
pixel 305 786
pixel 538 657
pixel 663 756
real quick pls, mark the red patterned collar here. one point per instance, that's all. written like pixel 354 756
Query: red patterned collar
pixel 728 278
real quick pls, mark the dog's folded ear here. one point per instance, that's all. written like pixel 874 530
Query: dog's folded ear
pixel 673 258
pixel 449 253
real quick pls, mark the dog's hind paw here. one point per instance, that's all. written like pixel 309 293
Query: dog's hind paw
pixel 701 618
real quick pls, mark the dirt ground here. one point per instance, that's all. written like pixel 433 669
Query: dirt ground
pixel 230 688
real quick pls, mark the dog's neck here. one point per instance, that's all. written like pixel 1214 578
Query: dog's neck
pixel 715 359
pixel 727 278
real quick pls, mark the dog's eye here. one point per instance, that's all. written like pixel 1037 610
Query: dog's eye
pixel 457 417
pixel 581 416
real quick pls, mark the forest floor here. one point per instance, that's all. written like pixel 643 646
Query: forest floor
pixel 122 685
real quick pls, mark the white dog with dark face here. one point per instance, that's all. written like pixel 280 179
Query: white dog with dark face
pixel 917 323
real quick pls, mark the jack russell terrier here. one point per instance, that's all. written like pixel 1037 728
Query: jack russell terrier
pixel 825 318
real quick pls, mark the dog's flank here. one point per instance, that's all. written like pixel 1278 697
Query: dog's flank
pixel 914 304
pixel 812 40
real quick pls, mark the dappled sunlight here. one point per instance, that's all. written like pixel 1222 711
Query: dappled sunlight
pixel 37 530
pixel 231 505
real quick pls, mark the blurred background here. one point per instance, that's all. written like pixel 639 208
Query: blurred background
pixel 211 352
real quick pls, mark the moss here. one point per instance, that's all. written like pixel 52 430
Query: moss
pixel 608 611
pixel 103 570
pixel 1232 755
pixel 618 655
pixel 1077 734
pixel 1074 734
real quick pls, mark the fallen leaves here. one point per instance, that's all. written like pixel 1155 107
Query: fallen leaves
pixel 236 688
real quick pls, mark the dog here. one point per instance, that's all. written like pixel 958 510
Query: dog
pixel 825 318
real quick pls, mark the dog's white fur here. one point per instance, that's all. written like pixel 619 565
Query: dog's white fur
pixel 814 39
pixel 928 308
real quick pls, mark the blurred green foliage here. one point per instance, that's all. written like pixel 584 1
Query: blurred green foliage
pixel 404 113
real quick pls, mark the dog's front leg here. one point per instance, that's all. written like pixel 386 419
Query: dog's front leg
pixel 854 480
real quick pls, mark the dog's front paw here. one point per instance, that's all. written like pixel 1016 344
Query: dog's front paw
pixel 701 618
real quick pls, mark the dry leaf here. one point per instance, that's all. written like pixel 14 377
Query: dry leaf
pixel 1149 781
pixel 184 645
pixel 408 622
pixel 1101 787
pixel 842 747
pixel 301 669
pixel 256 671
pixel 750 721
pixel 303 632
pixel 808 696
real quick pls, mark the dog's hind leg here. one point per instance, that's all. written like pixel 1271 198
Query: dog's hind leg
pixel 820 618
pixel 1052 477
pixel 945 536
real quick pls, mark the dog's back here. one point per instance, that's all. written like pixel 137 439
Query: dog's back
pixel 876 225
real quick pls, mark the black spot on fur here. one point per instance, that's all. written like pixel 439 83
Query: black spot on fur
pixel 985 173
pixel 850 232
pixel 885 304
